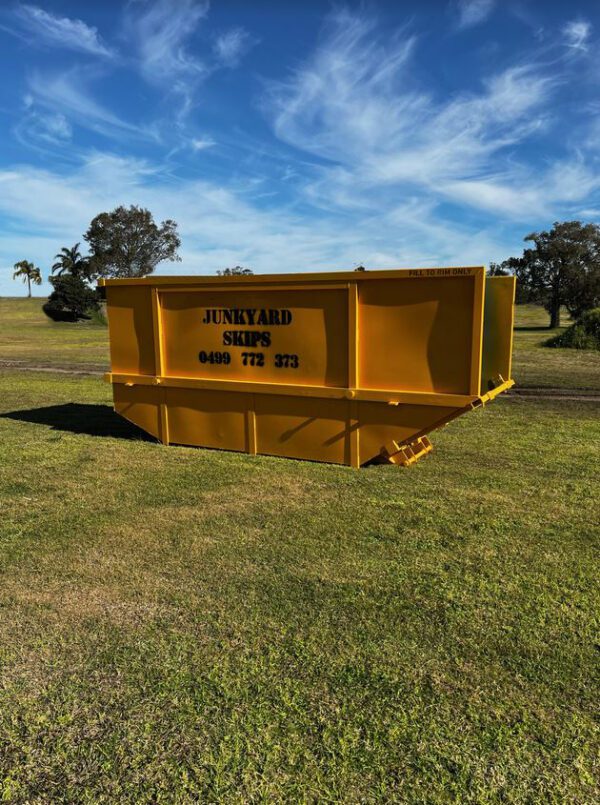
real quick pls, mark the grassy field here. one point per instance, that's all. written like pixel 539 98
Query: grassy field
pixel 539 366
pixel 28 337
pixel 182 625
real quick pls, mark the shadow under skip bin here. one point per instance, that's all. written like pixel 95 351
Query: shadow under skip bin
pixel 81 418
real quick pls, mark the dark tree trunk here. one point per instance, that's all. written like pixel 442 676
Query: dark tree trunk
pixel 29 287
pixel 555 315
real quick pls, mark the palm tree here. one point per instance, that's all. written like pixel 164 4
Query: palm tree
pixel 29 273
pixel 70 261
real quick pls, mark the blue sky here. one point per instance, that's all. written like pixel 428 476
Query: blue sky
pixel 299 136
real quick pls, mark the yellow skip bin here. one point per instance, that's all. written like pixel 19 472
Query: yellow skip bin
pixel 347 367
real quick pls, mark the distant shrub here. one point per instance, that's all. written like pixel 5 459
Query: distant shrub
pixel 57 313
pixel 584 334
pixel 98 316
pixel 71 300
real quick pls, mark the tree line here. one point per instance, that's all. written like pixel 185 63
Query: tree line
pixel 560 269
pixel 123 243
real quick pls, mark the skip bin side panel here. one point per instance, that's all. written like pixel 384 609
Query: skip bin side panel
pixel 140 405
pixel 269 335
pixel 300 427
pixel 417 335
pixel 208 418
pixel 498 325
pixel 129 309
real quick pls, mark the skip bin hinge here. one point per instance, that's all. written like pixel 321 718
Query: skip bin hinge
pixel 406 454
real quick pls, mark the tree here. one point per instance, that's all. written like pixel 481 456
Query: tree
pixel 72 299
pixel 29 274
pixel 127 243
pixel 562 268
pixel 498 270
pixel 235 271
pixel 71 261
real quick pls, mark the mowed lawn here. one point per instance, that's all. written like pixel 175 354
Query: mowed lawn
pixel 28 337
pixel 181 625
pixel 535 365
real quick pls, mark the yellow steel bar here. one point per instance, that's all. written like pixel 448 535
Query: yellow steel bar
pixel 353 335
pixel 159 363
pixel 164 418
pixel 159 369
pixel 354 436
pixel 353 379
pixel 391 397
pixel 512 329
pixel 450 272
pixel 477 337
pixel 507 384
pixel 199 288
pixel 251 428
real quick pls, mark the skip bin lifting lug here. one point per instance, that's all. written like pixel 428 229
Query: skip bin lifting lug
pixel 406 454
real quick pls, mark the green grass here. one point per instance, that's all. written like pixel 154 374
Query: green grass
pixel 540 366
pixel 29 337
pixel 187 625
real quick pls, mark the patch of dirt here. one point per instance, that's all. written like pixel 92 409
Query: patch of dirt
pixel 566 394
pixel 22 366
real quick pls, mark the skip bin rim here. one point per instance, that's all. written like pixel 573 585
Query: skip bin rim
pixel 445 272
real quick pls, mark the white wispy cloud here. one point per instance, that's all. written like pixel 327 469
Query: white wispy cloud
pixel 51 128
pixel 64 32
pixel 202 143
pixel 66 93
pixel 346 88
pixel 230 46
pixel 566 184
pixel 473 12
pixel 58 127
pixel 355 105
pixel 160 30
pixel 576 34
pixel 221 225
